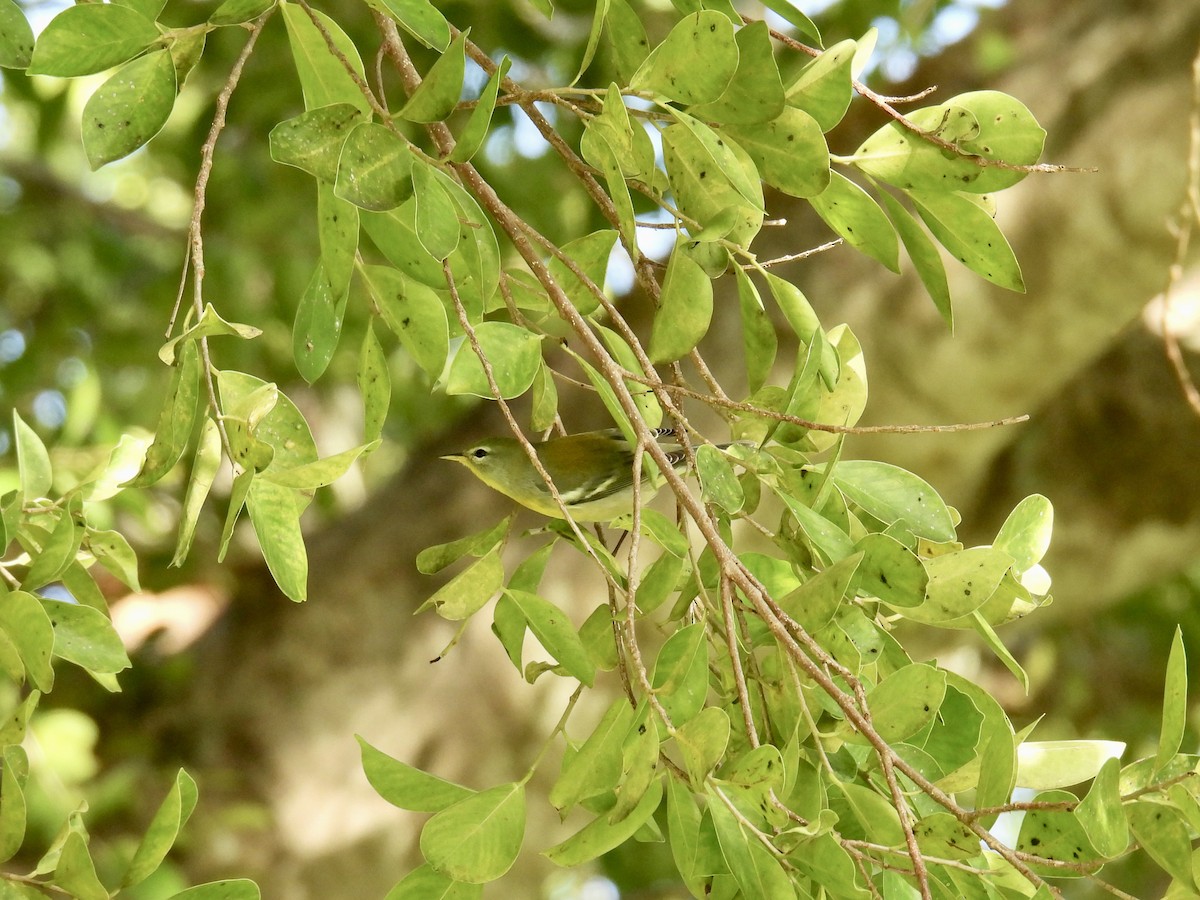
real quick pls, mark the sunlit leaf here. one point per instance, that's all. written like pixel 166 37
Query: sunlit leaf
pixel 164 830
pixel 406 787
pixel 514 355
pixel 89 38
pixel 441 87
pixel 971 235
pixel 673 68
pixel 323 78
pixel 477 839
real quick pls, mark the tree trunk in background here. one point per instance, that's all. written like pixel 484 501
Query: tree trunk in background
pixel 282 688
pixel 1112 86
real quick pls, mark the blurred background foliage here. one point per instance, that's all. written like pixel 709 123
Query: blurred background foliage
pixel 90 268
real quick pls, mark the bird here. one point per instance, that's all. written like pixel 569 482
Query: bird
pixel 592 471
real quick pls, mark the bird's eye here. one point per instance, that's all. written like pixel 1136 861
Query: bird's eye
pixel 479 452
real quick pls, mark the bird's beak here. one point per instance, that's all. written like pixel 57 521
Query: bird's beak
pixel 456 457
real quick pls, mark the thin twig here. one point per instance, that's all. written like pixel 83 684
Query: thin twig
pixel 195 234
pixel 1189 216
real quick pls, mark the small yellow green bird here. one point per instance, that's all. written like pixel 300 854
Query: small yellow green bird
pixel 592 470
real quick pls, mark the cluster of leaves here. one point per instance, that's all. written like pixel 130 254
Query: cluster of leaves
pixel 38 626
pixel 783 741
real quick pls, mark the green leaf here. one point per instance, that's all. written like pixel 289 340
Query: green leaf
pixel 924 255
pixel 814 603
pixel 237 499
pixel 421 19
pixel 787 11
pixel 12 802
pixel 600 835
pixel 755 92
pixel 758 333
pixel 86 637
pixel 757 872
pixel 706 196
pixel 553 629
pixel 86 39
pixel 28 627
pixel 317 326
pixel 1056 764
pixel 595 768
pixel 337 229
pixel 204 471
pixel 891 572
pixel 683 827
pixel 441 88
pixel 406 787
pixel 662 530
pixel 414 314
pixel 514 353
pixel 790 151
pixel 469 590
pixel 237 12
pixel 644 399
pixel 732 160
pixel 323 78
pixel 685 310
pixel 892 494
pixel 148 8
pixel 75 873
pixel 475 265
pixel 1101 813
pixel 476 129
pixel 718 481
pixel 434 559
pixel 185 48
pixel 702 742
pixel 313 140
pixel 983 124
pixel 375 168
pixel 275 514
pixel 589 50
pixel 229 889
pixel 1025 534
pixel 319 473
pixel 627 38
pixel 210 324
pixel 33 462
pixel 906 701
pixel 1163 833
pixel 16 45
pixel 426 883
pixel 849 211
pixel 374 384
pixel 658 582
pixel 971 235
pixel 176 421
pixel 823 87
pixel 509 626
pixel 477 839
pixel 436 218
pixel 57 552
pixel 164 830
pixel 695 63
pixel 590 253
pixel 959 583
pixel 831 542
pixel 1175 703
pixel 129 109
pixel 13 724
pixel 680 678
